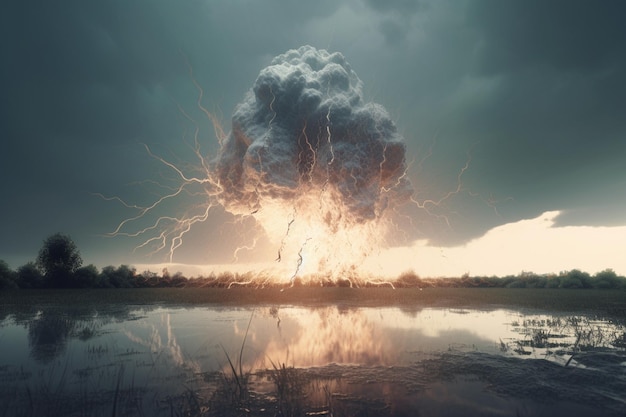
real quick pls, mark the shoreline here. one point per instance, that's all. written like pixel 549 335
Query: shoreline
pixel 609 301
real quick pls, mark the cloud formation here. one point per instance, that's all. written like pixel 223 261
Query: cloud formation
pixel 534 89
pixel 303 128
pixel 536 245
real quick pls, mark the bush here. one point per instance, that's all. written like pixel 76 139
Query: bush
pixel 518 283
pixel 536 281
pixel 575 279
pixel 553 282
pixel 29 276
pixel 607 279
pixel 7 276
pixel 408 279
pixel 86 277
pixel 571 283
pixel 122 277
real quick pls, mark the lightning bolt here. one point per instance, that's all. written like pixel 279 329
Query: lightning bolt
pixel 171 239
pixel 332 157
pixel 328 137
pixel 313 152
pixel 320 217
pixel 299 263
pixel 428 204
pixel 243 247
pixel 282 243
pixel 217 126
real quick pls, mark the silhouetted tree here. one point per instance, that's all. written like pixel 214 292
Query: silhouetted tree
pixel 29 276
pixel 147 279
pixel 120 277
pixel 607 279
pixel 86 277
pixel 59 259
pixel 554 281
pixel 575 279
pixel 178 280
pixel 408 279
pixel 7 276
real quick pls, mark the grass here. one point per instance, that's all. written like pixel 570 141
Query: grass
pixel 565 335
pixel 295 392
pixel 235 383
pixel 609 301
pixel 290 389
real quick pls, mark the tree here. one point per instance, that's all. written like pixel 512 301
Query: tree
pixel 86 277
pixel 7 276
pixel 59 259
pixel 122 277
pixel 29 276
pixel 607 279
pixel 575 279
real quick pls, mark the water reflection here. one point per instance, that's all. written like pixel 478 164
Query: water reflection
pixel 385 359
pixel 47 336
pixel 330 335
pixel 306 336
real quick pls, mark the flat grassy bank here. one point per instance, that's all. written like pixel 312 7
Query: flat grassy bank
pixel 609 301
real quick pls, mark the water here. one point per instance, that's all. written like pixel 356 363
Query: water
pixel 114 358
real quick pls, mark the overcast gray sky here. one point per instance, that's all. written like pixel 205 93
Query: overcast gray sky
pixel 533 91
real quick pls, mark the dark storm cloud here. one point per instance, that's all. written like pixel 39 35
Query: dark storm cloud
pixel 554 123
pixel 305 127
pixel 534 88
pixel 567 35
pixel 80 68
pixel 393 31
pixel 395 24
pixel 401 6
pixel 85 82
pixel 79 79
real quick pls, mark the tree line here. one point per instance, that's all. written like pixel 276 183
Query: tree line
pixel 60 265
pixel 572 279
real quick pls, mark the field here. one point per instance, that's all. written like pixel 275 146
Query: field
pixel 601 300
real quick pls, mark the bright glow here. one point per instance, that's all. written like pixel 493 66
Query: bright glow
pixel 381 337
pixel 533 245
pixel 320 170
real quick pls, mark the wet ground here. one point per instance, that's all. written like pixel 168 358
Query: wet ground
pixel 339 352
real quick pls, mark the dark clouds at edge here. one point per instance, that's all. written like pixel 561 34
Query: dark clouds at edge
pixel 558 111
pixel 87 82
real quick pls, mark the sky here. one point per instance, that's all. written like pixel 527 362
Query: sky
pixel 530 94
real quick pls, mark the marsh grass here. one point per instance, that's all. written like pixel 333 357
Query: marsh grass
pixel 233 392
pixel 294 392
pixel 290 389
pixel 564 338
pixel 619 340
pixel 291 394
pixel 187 404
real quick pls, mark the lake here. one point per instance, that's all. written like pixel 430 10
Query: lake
pixel 314 352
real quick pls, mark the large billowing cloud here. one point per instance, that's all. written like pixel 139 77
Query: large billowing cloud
pixel 304 128
pixel 318 167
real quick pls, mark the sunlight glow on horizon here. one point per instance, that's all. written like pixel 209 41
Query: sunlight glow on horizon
pixel 531 245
